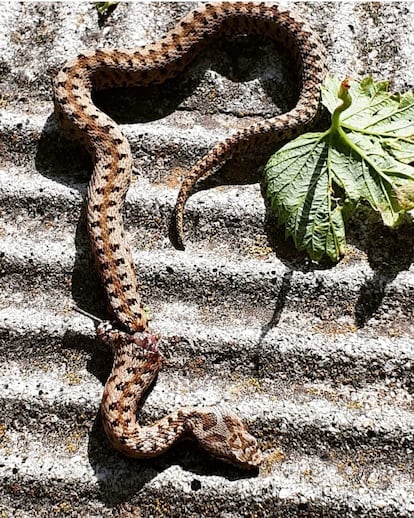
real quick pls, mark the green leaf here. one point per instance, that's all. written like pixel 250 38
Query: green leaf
pixel 299 185
pixel 318 179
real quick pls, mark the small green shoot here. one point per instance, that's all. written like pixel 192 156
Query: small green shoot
pixel 105 8
pixel 147 312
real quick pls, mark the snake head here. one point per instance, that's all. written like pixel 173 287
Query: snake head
pixel 225 436
pixel 242 448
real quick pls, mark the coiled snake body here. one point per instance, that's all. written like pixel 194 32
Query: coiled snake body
pixel 137 357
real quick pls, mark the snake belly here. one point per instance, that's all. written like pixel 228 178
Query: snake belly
pixel 137 358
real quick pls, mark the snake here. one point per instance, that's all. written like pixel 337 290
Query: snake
pixel 136 348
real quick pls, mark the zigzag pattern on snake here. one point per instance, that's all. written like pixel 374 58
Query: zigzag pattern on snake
pixel 137 356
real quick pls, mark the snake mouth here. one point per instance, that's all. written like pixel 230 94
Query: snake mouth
pixel 250 457
pixel 249 462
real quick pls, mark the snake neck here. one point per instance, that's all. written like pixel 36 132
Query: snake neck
pixel 220 433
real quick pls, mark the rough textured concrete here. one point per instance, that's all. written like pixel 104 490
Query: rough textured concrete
pixel 317 359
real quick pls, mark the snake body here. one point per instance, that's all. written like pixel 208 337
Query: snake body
pixel 137 358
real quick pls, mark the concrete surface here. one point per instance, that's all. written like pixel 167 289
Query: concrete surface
pixel 317 359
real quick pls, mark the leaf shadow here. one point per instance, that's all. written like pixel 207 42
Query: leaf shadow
pixel 389 252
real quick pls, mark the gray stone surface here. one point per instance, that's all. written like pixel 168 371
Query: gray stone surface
pixel 317 359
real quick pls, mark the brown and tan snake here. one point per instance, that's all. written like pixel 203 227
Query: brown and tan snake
pixel 137 358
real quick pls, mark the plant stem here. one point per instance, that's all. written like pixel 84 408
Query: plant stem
pixel 343 95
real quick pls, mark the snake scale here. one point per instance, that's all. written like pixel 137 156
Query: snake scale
pixel 137 357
